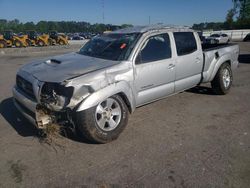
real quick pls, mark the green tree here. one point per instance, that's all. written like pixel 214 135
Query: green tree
pixel 229 19
pixel 242 7
pixel 29 26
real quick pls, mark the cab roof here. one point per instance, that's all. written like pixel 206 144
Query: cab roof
pixel 144 29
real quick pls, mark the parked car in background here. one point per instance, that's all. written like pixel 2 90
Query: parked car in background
pixel 218 38
pixel 77 37
pixel 88 35
pixel 235 35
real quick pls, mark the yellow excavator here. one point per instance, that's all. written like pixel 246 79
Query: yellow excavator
pixel 39 40
pixel 9 39
pixel 58 38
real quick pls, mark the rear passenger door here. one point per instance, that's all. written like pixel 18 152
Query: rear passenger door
pixel 154 69
pixel 189 60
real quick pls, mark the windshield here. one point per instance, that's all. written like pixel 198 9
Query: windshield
pixel 116 47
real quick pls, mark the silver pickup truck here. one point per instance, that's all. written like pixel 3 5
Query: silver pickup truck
pixel 96 88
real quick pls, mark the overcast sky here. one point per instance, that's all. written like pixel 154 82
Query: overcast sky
pixel 137 12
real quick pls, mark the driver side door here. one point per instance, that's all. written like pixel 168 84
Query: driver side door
pixel 154 69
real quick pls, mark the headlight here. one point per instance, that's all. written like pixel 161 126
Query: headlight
pixel 55 95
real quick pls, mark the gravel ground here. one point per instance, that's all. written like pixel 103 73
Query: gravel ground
pixel 193 139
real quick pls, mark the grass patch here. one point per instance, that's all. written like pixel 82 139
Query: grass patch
pixel 52 136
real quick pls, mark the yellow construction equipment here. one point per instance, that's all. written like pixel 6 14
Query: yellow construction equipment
pixel 8 39
pixel 39 40
pixel 59 38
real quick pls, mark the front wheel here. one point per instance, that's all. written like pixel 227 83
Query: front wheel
pixel 61 42
pixel 104 122
pixel 3 44
pixel 18 44
pixel 223 79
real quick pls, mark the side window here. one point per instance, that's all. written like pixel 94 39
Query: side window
pixel 154 49
pixel 185 43
pixel 224 35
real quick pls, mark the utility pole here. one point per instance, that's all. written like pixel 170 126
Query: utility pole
pixel 103 16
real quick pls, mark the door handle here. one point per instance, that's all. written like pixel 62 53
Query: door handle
pixel 171 66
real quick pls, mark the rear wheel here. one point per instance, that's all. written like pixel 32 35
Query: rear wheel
pixel 18 44
pixel 3 44
pixel 29 42
pixel 104 122
pixel 61 42
pixel 223 79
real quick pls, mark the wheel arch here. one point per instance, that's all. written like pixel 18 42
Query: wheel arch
pixel 222 60
pixel 120 88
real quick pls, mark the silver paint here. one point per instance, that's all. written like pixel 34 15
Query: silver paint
pixel 94 80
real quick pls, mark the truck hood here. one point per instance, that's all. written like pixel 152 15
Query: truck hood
pixel 63 67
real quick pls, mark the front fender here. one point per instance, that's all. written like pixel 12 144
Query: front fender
pixel 102 94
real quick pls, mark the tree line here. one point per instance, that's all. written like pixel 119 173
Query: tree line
pixel 238 17
pixel 61 26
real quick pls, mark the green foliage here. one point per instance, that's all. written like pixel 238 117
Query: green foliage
pixel 241 11
pixel 62 26
pixel 242 7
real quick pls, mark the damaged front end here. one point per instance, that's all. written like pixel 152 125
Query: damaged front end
pixel 55 96
pixel 56 104
pixel 45 117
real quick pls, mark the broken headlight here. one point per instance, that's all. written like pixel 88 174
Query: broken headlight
pixel 56 96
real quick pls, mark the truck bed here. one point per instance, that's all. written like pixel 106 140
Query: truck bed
pixel 209 47
pixel 214 54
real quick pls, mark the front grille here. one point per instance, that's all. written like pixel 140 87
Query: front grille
pixel 25 86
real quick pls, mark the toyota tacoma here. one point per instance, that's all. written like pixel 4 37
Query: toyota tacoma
pixel 96 88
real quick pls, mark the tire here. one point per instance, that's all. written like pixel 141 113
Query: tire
pixel 3 44
pixel 223 79
pixel 98 125
pixel 61 42
pixel 40 43
pixel 29 42
pixel 18 44
pixel 52 42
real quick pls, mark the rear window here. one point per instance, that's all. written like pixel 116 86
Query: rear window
pixel 185 43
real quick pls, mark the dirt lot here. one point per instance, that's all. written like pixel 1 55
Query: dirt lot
pixel 194 139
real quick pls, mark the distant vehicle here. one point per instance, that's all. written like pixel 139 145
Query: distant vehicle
pixel 235 35
pixel 97 87
pixel 77 38
pixel 218 38
pixel 8 39
pixel 88 35
pixel 70 36
pixel 58 38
